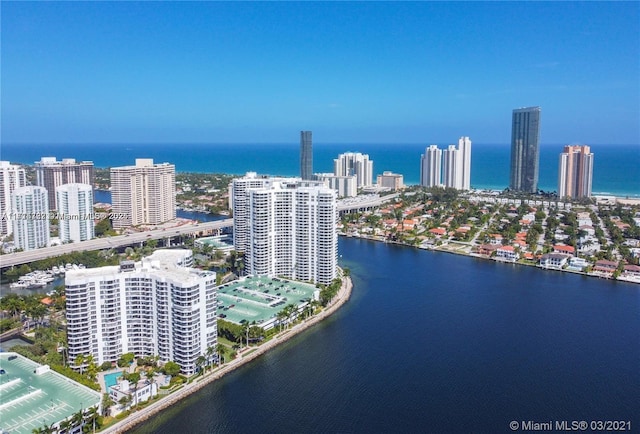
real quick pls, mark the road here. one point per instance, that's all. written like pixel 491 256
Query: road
pixel 28 256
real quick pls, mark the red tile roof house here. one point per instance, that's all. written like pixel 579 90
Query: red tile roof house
pixel 567 250
pixel 525 223
pixel 605 267
pixel 438 232
pixel 632 270
pixel 487 249
pixel 507 253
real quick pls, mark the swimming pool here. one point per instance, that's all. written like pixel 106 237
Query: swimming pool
pixel 111 379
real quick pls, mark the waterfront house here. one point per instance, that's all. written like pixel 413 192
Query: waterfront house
pixel 487 249
pixel 605 268
pixel 554 260
pixel 631 271
pixel 578 264
pixel 507 253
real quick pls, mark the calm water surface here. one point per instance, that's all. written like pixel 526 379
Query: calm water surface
pixel 432 342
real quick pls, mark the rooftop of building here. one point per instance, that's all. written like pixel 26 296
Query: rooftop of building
pixel 260 299
pixel 31 400
pixel 162 263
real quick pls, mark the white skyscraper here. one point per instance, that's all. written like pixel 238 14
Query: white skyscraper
pixel 449 168
pixel 239 203
pixel 357 164
pixel 11 177
pixel 31 223
pixel 464 148
pixel 431 167
pixel 75 209
pixel 143 194
pixel 451 174
pixel 156 307
pixel 290 229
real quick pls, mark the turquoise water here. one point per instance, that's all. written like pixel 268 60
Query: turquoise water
pixel 616 167
pixel 111 379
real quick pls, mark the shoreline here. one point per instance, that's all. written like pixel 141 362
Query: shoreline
pixel 146 413
pixel 478 256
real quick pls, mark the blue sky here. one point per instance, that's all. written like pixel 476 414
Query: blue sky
pixel 353 72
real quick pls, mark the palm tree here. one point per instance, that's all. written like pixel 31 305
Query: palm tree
pixel 107 402
pixel 221 349
pixel 77 418
pixel 281 316
pixel 210 352
pixel 91 417
pixel 200 361
pixel 92 368
pixel 65 425
pixel 124 401
pixel 79 361
pixel 291 313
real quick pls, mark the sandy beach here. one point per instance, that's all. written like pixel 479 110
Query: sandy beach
pixel 251 353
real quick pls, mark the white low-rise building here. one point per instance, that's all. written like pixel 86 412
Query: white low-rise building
pixel 507 253
pixel 345 186
pixel 133 394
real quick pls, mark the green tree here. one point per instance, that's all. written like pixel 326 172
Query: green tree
pixel 171 368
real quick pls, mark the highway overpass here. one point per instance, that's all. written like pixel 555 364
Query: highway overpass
pixel 358 204
pixel 28 256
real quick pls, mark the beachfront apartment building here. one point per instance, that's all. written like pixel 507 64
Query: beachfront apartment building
pixel 75 212
pixel 288 228
pixel 144 193
pixel 51 174
pixel 575 172
pixel 156 307
pixel 394 181
pixel 355 163
pixel 30 206
pixel 431 167
pixel 11 177
pixel 448 168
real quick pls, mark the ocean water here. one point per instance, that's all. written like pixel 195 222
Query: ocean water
pixel 437 343
pixel 616 167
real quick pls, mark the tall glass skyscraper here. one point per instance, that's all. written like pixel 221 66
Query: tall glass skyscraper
pixel 306 155
pixel 525 149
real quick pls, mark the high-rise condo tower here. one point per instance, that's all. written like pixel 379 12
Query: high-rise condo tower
pixel 525 145
pixel 51 174
pixel 306 156
pixel 575 172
